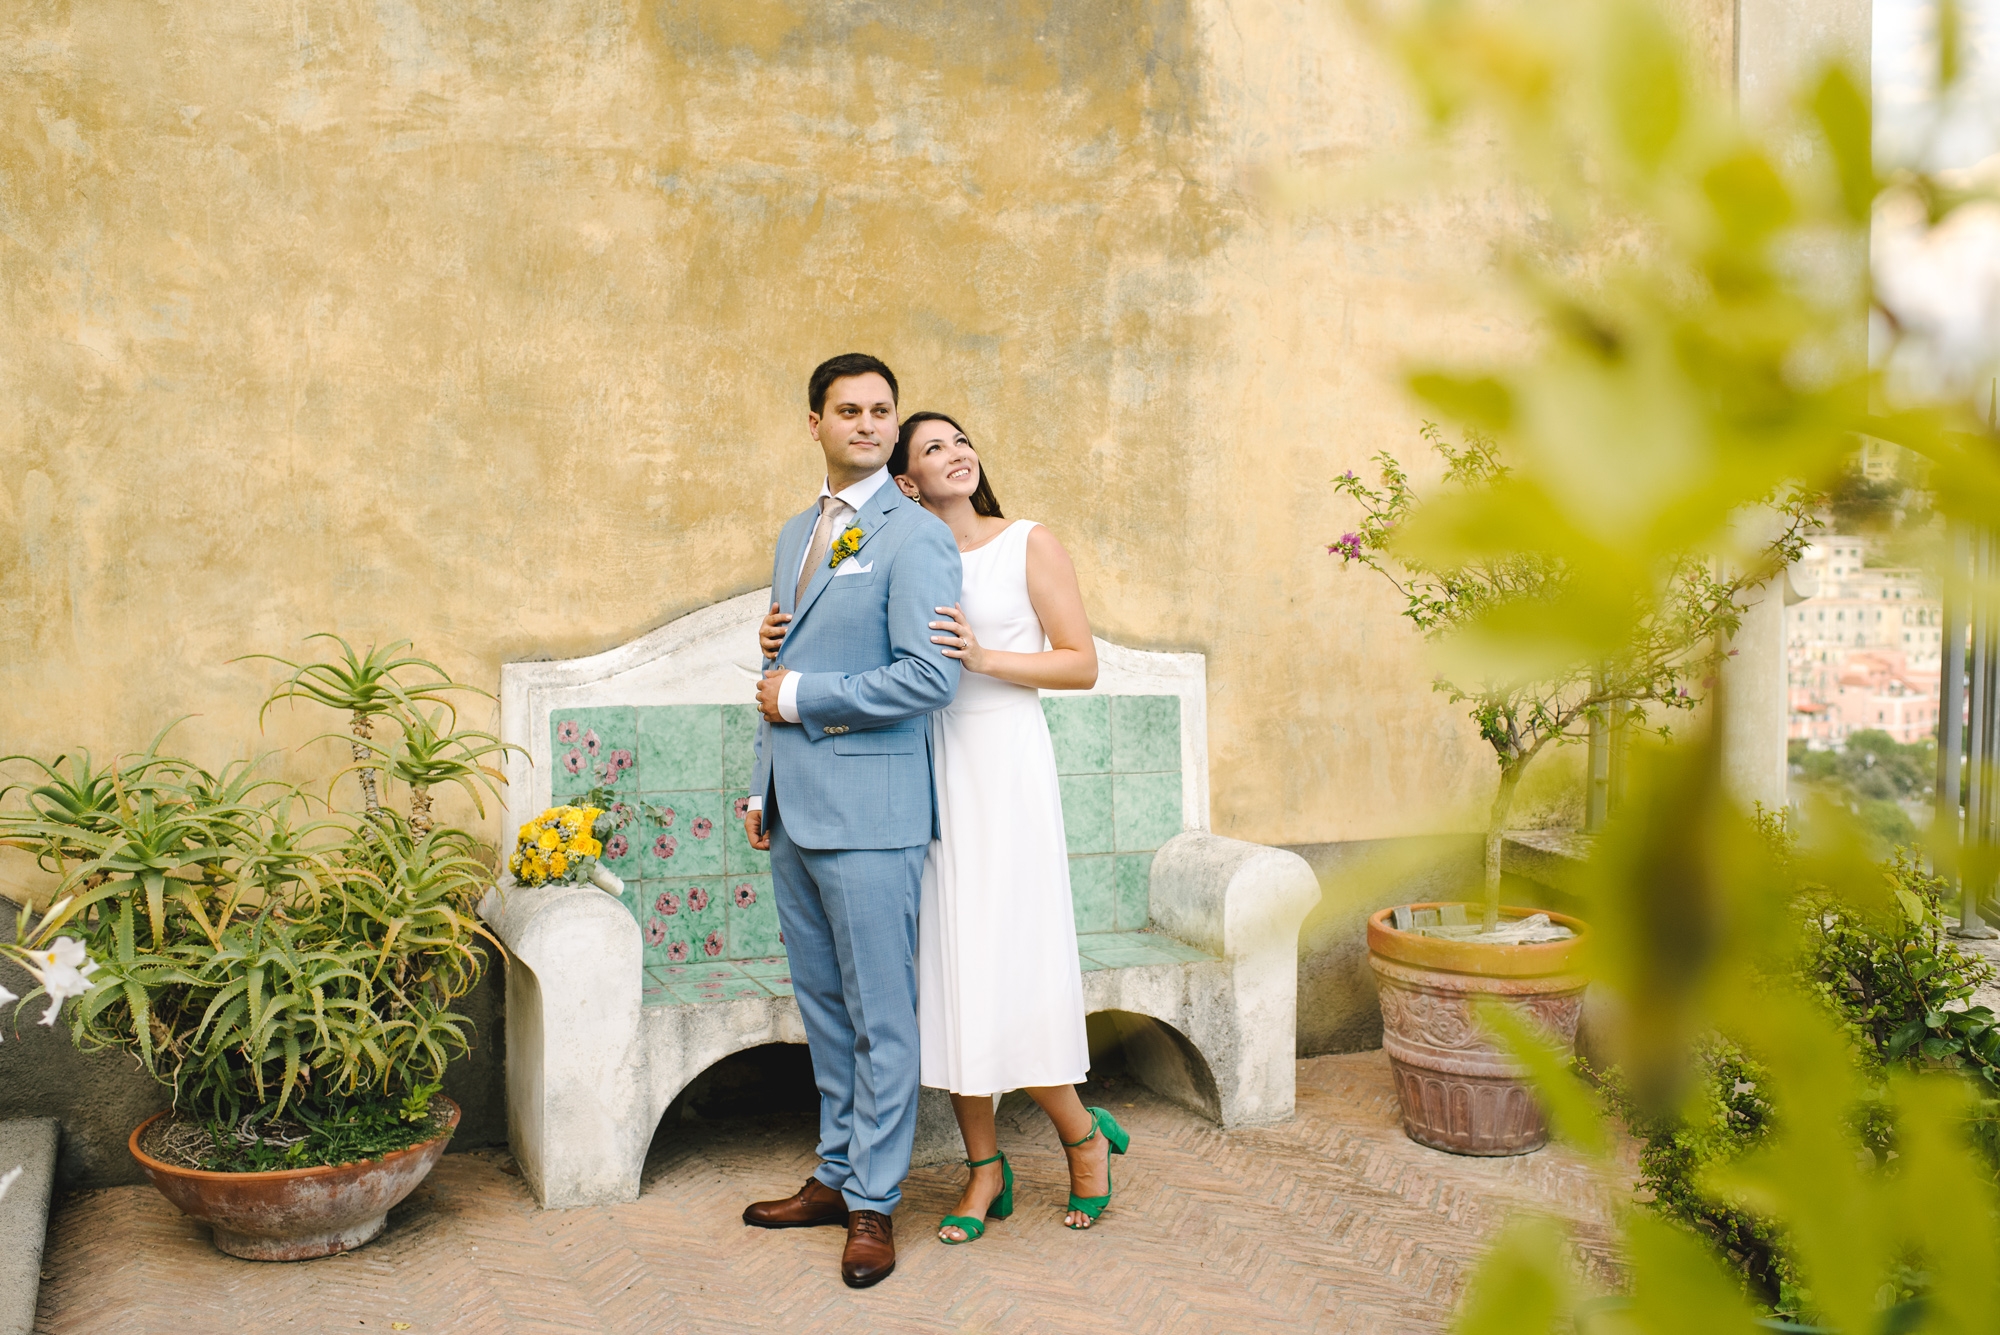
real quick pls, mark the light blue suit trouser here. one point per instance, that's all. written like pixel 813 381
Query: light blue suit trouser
pixel 850 921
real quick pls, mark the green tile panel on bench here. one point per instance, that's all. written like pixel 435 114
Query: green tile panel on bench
pixel 726 980
pixel 702 895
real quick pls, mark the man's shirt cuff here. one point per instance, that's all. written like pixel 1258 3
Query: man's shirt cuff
pixel 756 804
pixel 788 698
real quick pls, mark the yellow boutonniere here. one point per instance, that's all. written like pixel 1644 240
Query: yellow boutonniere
pixel 848 545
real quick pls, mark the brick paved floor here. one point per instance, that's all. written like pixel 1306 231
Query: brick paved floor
pixel 1334 1222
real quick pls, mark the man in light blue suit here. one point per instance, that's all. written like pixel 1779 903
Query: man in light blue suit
pixel 843 799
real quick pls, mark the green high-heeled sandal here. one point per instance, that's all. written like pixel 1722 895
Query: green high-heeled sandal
pixel 1002 1206
pixel 1115 1135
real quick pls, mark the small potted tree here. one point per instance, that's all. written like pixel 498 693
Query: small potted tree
pixel 290 975
pixel 1434 961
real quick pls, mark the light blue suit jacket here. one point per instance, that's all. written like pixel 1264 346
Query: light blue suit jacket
pixel 855 771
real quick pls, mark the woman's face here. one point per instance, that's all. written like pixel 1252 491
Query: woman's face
pixel 943 464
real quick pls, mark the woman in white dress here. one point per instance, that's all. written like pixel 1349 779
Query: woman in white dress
pixel 999 989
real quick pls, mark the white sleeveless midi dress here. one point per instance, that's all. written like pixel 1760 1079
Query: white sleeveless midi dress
pixel 999 989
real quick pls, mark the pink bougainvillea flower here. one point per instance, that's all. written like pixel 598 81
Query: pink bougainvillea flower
pixel 746 895
pixel 701 827
pixel 573 762
pixel 664 846
pixel 656 931
pixel 616 847
pixel 713 945
pixel 678 951
pixel 697 898
pixel 567 731
pixel 742 807
pixel 667 903
pixel 591 743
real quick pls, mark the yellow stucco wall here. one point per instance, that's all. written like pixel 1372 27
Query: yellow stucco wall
pixel 487 325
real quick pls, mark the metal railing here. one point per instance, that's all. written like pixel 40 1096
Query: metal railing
pixel 1966 836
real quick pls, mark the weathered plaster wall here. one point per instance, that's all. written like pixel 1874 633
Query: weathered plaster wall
pixel 486 325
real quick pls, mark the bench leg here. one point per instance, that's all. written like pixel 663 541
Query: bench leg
pixel 577 1103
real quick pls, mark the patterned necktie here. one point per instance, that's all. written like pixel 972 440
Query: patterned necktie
pixel 832 510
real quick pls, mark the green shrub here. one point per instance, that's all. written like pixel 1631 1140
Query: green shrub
pixel 1893 978
pixel 263 961
pixel 1869 778
pixel 1896 979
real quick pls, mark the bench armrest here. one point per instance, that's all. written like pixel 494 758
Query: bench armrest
pixel 1244 902
pixel 1234 899
pixel 573 1053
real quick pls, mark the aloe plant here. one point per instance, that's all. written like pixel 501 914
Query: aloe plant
pixel 364 686
pixel 428 752
pixel 260 950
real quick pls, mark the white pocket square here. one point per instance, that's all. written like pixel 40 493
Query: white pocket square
pixel 852 567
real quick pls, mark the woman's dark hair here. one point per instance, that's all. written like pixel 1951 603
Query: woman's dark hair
pixel 983 500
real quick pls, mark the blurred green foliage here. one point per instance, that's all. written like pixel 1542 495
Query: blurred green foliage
pixel 1699 291
pixel 1901 987
pixel 1677 644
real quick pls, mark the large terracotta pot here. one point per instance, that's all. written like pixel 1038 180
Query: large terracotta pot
pixel 1458 1090
pixel 297 1213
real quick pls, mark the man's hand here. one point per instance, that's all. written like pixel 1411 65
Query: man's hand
pixel 753 830
pixel 767 694
pixel 771 635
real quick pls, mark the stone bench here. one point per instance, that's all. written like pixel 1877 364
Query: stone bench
pixel 28 1144
pixel 614 1004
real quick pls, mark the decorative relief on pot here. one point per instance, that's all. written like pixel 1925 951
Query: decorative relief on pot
pixel 1467 1116
pixel 1558 1015
pixel 1425 1017
pixel 1446 1020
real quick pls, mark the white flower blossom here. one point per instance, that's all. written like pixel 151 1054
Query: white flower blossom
pixel 63 983
pixel 63 970
pixel 6 998
pixel 66 952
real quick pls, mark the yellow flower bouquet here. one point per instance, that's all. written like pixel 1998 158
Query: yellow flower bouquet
pixel 558 847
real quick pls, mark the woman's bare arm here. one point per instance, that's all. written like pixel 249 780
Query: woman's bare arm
pixel 1070 662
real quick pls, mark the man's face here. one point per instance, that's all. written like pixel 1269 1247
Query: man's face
pixel 857 427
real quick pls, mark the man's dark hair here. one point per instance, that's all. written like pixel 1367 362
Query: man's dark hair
pixel 984 502
pixel 839 368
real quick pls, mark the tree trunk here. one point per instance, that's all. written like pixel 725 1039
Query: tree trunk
pixel 1496 825
pixel 362 726
pixel 420 810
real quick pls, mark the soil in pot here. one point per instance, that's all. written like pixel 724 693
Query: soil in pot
pixel 1458 1091
pixel 288 1214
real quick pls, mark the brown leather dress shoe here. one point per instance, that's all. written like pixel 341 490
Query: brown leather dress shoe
pixel 871 1249
pixel 810 1206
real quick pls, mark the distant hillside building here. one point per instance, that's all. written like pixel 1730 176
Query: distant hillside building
pixel 1863 652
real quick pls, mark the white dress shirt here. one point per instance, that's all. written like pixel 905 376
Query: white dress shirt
pixel 854 498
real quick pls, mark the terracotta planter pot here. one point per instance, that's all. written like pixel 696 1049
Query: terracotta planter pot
pixel 1458 1091
pixel 297 1213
